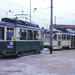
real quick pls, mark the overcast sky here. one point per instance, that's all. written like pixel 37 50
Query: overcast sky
pixel 63 10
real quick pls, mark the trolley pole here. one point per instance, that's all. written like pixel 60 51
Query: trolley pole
pixel 22 14
pixel 30 12
pixel 6 14
pixel 51 28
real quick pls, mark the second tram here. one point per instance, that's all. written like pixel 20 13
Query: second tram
pixel 60 40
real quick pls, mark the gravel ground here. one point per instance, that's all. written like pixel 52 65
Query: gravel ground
pixel 59 63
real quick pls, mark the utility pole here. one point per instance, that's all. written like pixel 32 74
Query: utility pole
pixel 51 28
pixel 30 12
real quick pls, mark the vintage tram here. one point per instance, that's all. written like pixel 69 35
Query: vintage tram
pixel 18 36
pixel 61 39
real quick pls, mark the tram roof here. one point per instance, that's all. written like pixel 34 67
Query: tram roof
pixel 18 25
pixel 59 31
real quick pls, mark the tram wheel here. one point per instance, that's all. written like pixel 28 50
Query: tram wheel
pixel 35 51
pixel 21 53
pixel 39 51
pixel 16 55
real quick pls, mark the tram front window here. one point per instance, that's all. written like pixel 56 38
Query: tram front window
pixel 10 33
pixel 1 33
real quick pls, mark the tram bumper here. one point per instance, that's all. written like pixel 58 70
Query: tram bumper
pixel 8 54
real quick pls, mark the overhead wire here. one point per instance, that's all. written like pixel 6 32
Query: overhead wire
pixel 65 19
pixel 32 16
pixel 43 19
pixel 31 10
pixel 25 7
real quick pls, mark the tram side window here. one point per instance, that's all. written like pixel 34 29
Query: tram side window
pixel 59 37
pixel 23 34
pixel 68 37
pixel 10 33
pixel 30 35
pixel 35 35
pixel 63 37
pixel 1 33
pixel 55 37
pixel 47 36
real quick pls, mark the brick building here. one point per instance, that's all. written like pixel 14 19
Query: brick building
pixel 64 26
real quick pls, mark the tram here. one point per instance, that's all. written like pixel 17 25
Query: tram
pixel 60 39
pixel 18 36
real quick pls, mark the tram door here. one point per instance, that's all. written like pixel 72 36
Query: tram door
pixel 72 41
pixel 59 41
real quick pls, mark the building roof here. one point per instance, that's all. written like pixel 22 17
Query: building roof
pixel 63 26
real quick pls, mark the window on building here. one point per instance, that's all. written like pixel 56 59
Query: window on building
pixel 63 36
pixel 10 33
pixel 23 34
pixel 36 35
pixel 1 33
pixel 30 35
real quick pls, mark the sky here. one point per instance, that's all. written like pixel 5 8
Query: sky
pixel 63 10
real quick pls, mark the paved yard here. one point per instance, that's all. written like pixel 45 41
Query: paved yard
pixel 59 63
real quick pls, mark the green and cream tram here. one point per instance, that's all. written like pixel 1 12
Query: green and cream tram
pixel 60 40
pixel 17 38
